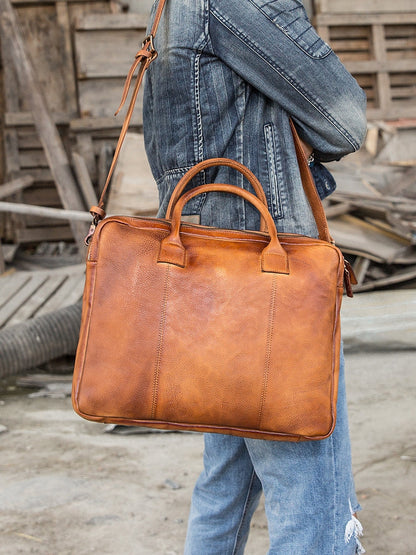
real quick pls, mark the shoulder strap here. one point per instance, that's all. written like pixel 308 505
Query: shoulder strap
pixel 144 57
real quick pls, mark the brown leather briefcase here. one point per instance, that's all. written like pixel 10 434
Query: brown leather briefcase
pixel 196 328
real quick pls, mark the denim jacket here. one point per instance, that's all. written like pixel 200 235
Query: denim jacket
pixel 229 75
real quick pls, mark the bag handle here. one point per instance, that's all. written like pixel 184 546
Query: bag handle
pixel 172 251
pixel 212 162
pixel 144 57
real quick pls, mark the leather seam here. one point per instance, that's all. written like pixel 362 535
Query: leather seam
pixel 270 331
pixel 161 335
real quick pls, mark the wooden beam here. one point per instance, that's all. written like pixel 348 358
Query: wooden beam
pixel 84 179
pixel 15 186
pixel 45 212
pixel 25 119
pixel 48 133
pixel 96 22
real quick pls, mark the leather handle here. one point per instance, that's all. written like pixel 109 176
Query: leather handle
pixel 211 162
pixel 172 251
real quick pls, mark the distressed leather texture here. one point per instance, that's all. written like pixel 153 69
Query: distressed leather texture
pixel 195 328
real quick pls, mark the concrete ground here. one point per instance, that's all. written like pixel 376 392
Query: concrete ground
pixel 66 487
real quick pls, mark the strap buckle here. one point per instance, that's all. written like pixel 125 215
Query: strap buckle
pixel 149 46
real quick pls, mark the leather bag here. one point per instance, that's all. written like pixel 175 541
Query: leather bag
pixel 190 327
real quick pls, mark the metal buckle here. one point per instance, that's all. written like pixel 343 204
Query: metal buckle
pixel 148 44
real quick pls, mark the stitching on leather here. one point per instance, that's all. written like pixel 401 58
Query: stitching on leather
pixel 267 361
pixel 161 335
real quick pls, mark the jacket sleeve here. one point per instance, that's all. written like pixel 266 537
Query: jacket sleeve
pixel 273 46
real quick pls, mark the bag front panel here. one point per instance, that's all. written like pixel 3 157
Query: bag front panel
pixel 217 343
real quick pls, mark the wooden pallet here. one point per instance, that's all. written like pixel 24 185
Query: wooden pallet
pixel 380 51
pixel 24 295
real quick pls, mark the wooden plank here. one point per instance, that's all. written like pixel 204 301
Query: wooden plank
pixel 110 22
pixel 2 262
pixel 69 293
pixel 38 299
pixel 48 133
pixel 348 45
pixel 32 159
pixel 104 162
pixel 99 98
pixel 89 125
pixel 383 81
pixel 360 268
pixel 354 236
pixel 369 6
pixel 78 10
pixel 10 284
pixel 44 39
pixel 28 140
pixel 356 32
pixel 396 112
pixel 37 235
pixel 84 180
pixel 400 276
pixel 45 212
pixel 366 18
pixel 40 175
pixel 24 119
pixel 337 209
pixel 374 66
pixel 85 148
pixel 105 54
pixel 67 68
pixel 15 186
pixel 42 196
pixel 25 292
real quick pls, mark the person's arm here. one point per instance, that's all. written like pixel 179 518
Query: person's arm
pixel 273 46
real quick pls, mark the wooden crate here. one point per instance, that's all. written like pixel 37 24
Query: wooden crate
pixel 380 51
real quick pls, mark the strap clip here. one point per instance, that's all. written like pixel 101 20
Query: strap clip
pixel 149 46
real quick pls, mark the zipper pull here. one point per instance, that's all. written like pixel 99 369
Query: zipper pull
pixel 349 278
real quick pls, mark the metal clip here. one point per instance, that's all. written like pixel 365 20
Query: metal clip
pixel 90 234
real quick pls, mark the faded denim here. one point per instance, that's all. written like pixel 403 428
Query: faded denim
pixel 228 76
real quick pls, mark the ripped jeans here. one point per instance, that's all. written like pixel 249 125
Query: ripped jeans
pixel 308 487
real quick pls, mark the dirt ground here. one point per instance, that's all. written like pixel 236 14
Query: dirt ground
pixel 66 487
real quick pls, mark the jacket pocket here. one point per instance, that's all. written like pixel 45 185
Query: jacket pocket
pixel 275 171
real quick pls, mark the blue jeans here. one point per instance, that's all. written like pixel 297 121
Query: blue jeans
pixel 308 487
